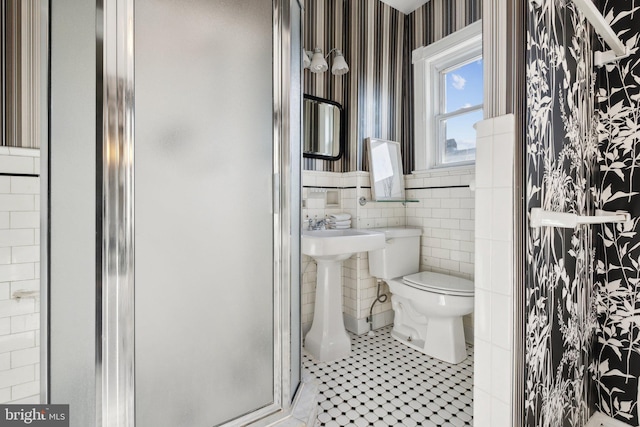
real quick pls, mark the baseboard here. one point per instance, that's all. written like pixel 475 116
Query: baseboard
pixel 601 420
pixel 361 326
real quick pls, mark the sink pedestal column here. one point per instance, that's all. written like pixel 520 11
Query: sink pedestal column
pixel 327 339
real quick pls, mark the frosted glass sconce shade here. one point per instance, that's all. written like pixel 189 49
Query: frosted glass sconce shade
pixel 339 64
pixel 318 63
pixel 306 61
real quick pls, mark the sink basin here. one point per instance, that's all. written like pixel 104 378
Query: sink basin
pixel 328 243
pixel 327 339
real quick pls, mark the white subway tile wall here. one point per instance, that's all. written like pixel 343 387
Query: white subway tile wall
pixel 19 273
pixel 494 272
pixel 446 216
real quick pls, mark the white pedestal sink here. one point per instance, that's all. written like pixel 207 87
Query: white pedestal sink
pixel 327 339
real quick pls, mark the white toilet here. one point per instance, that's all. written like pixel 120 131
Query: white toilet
pixel 428 306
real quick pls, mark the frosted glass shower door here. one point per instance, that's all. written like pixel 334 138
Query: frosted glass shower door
pixel 204 286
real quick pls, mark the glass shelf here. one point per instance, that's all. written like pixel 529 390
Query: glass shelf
pixel 363 201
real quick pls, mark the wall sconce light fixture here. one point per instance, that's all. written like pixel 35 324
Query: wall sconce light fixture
pixel 316 62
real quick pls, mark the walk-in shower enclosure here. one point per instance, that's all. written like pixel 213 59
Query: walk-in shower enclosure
pixel 174 170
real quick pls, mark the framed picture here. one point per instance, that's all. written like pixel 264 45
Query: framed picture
pixel 385 170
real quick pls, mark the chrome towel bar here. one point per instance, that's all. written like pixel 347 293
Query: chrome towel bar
pixel 542 218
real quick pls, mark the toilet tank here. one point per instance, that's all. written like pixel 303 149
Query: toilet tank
pixel 400 256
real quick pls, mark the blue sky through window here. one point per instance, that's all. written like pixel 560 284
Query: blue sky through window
pixel 463 88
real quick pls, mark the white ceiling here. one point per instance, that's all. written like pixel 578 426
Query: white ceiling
pixel 405 6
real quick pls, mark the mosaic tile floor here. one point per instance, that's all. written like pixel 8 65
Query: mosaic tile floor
pixel 385 383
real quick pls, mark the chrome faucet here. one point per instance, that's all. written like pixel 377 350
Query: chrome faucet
pixel 317 225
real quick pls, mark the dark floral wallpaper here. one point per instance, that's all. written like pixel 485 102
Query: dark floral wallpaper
pixel 560 166
pixel 616 364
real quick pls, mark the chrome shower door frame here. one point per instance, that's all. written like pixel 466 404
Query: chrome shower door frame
pixel 115 358
pixel 115 379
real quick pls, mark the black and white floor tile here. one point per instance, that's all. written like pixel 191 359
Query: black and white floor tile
pixel 385 383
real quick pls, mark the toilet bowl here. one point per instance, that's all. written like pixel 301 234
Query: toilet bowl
pixel 428 311
pixel 428 307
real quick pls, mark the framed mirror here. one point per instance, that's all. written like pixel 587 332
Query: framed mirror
pixel 323 127
pixel 385 170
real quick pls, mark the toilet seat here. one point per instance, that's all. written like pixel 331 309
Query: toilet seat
pixel 439 283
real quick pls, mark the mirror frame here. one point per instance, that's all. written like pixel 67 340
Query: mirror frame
pixel 396 165
pixel 313 155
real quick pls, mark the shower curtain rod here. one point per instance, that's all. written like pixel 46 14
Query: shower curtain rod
pixel 600 25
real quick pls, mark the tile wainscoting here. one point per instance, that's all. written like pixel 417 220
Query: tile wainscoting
pixel 19 275
pixel 494 272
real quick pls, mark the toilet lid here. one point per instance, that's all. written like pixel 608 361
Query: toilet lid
pixel 440 283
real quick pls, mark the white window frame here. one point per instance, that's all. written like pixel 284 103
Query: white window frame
pixel 428 63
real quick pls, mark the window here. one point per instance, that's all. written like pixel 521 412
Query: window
pixel 448 82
